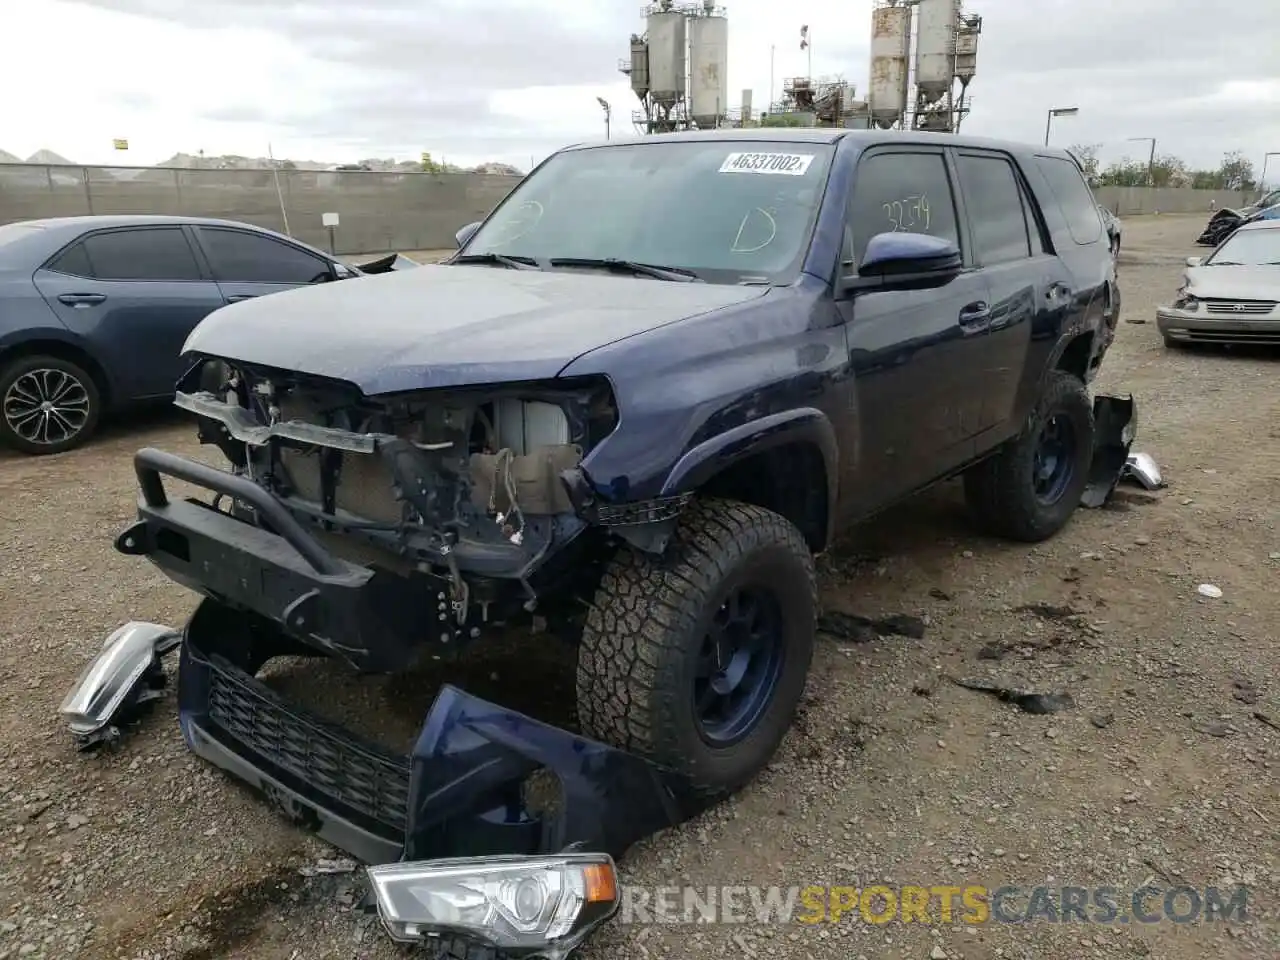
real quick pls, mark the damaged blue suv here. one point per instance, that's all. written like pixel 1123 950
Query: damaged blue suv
pixel 656 381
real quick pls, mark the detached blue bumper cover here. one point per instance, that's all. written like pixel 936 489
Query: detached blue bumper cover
pixel 459 793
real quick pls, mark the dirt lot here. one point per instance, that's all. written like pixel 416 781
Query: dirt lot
pixel 1162 772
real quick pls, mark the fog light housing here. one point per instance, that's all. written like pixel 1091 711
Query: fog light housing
pixel 522 906
pixel 126 673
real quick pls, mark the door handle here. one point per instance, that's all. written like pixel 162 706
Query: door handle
pixel 241 296
pixel 975 317
pixel 81 299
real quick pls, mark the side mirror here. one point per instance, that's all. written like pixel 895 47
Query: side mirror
pixel 1194 261
pixel 466 233
pixel 905 261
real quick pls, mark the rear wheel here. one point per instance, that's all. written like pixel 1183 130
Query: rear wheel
pixel 47 405
pixel 1031 488
pixel 697 660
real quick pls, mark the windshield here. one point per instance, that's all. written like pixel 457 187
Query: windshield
pixel 730 211
pixel 1250 248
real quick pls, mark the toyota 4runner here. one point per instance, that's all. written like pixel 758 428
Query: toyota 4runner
pixel 645 391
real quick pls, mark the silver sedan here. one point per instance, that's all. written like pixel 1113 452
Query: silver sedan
pixel 1232 295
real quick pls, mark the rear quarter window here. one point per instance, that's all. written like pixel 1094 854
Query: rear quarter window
pixel 73 261
pixel 1074 198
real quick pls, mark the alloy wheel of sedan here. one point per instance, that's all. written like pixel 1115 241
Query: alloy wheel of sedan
pixel 47 407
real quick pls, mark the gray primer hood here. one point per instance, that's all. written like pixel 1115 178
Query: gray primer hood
pixel 442 326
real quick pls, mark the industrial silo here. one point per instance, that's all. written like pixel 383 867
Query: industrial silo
pixel 967 47
pixel 637 67
pixel 667 42
pixel 708 68
pixel 935 47
pixel 890 48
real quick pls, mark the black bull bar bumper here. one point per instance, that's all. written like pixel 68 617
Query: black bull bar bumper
pixel 372 619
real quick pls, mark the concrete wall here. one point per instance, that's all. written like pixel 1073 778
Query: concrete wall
pixel 1132 201
pixel 378 211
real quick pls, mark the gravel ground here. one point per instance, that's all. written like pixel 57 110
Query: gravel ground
pixel 892 774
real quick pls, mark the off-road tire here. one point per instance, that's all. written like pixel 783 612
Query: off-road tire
pixel 645 626
pixel 1000 491
pixel 24 365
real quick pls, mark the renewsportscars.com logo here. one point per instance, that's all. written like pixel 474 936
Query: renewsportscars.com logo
pixel 945 904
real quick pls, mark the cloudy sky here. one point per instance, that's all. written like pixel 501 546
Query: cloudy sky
pixel 511 80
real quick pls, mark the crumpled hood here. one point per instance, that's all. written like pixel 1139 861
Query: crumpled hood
pixel 441 326
pixel 1234 283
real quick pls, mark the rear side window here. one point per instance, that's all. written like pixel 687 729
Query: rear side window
pixel 239 256
pixel 996 216
pixel 1074 197
pixel 150 253
pixel 902 193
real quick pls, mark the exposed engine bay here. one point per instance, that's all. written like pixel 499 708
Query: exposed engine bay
pixel 466 482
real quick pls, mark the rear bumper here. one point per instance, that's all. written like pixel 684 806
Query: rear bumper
pixel 375 620
pixel 1200 328
pixel 459 792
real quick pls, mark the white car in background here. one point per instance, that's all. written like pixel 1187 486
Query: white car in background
pixel 1232 295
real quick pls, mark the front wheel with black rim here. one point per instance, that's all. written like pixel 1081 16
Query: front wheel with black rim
pixel 1030 489
pixel 47 405
pixel 697 660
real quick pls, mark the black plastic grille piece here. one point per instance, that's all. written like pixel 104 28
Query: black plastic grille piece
pixel 350 774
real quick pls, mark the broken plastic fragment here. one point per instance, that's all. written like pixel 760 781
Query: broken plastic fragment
pixel 1114 430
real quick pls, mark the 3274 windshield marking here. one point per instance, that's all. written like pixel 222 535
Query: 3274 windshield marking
pixel 909 213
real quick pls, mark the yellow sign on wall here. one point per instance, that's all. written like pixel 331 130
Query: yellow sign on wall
pixel 121 144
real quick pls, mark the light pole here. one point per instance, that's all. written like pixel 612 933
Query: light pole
pixel 1262 179
pixel 1151 159
pixel 1057 112
pixel 608 127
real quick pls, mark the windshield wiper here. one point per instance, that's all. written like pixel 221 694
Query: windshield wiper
pixel 678 274
pixel 516 263
pixel 1224 263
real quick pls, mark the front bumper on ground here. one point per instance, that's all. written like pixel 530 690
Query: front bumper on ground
pixel 460 792
pixel 456 846
pixel 1201 327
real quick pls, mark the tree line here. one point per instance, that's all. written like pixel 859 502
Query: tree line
pixel 1234 173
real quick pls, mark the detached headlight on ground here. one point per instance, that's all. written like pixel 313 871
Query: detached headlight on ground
pixel 529 906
